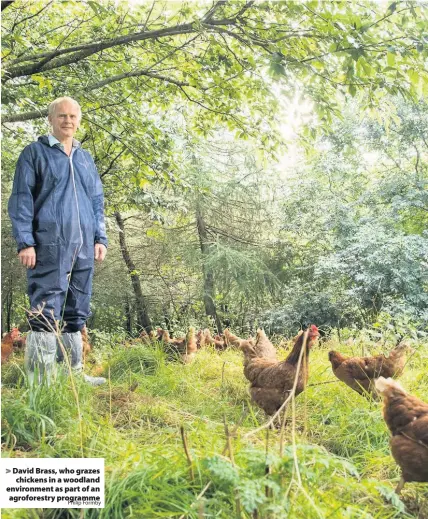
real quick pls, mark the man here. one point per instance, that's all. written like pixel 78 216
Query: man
pixel 57 214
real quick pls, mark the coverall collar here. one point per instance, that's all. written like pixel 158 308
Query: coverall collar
pixel 53 140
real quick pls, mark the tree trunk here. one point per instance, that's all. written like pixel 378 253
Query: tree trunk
pixel 143 319
pixel 210 308
pixel 7 310
pixel 128 316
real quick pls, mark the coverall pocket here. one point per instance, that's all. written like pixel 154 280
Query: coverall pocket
pixel 45 234
pixel 47 255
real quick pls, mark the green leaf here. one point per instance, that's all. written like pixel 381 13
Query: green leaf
pixel 94 6
pixel 413 76
pixel 390 59
pixel 319 65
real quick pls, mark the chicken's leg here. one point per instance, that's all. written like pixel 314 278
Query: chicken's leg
pixel 400 486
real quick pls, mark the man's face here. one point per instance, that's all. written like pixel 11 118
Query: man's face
pixel 65 120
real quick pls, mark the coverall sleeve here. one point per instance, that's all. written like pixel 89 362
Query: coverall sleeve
pixel 98 208
pixel 21 202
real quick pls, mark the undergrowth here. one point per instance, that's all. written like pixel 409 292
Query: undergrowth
pixel 338 466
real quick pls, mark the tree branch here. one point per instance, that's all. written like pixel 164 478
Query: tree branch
pixel 26 116
pixel 207 17
pixel 82 51
pixel 109 167
pixel 135 73
pixel 28 17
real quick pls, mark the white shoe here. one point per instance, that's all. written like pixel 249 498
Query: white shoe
pixel 94 381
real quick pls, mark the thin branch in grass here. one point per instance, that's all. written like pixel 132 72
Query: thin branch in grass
pixel 282 433
pixel 201 510
pixel 268 491
pixel 110 392
pixel 311 501
pixel 186 450
pixel 321 383
pixel 228 441
pixel 198 497
pixel 226 448
pixel 232 460
pixel 305 407
pixel 293 431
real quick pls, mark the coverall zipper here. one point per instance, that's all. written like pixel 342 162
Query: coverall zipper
pixel 75 196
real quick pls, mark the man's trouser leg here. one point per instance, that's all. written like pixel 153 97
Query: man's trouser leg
pixel 73 345
pixel 78 297
pixel 40 353
pixel 47 288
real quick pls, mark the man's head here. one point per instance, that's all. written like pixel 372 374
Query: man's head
pixel 64 115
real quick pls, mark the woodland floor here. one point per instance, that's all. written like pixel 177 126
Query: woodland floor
pixel 335 460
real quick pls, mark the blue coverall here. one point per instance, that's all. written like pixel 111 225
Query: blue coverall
pixel 57 206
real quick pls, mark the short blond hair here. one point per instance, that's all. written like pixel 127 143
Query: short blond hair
pixel 52 107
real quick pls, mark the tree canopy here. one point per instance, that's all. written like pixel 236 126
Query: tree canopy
pixel 184 103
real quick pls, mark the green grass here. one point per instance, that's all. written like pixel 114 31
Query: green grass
pixel 339 465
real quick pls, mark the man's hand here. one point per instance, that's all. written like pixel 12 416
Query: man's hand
pixel 28 257
pixel 100 252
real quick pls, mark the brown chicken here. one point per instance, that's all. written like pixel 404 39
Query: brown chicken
pixel 147 338
pixel 11 340
pixel 407 418
pixel 199 339
pixel 272 380
pixel 261 347
pixel 185 346
pixel 216 341
pixel 86 343
pixel 165 337
pixel 231 339
pixel 359 373
pixel 190 347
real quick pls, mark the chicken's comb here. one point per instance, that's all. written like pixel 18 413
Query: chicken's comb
pixel 313 330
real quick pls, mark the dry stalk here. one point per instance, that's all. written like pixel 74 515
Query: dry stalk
pixel 201 510
pixel 232 460
pixel 305 406
pixel 228 441
pixel 222 373
pixel 226 448
pixel 186 450
pixel 201 493
pixel 321 383
pixel 282 432
pixel 268 491
pixel 293 437
pixel 110 392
